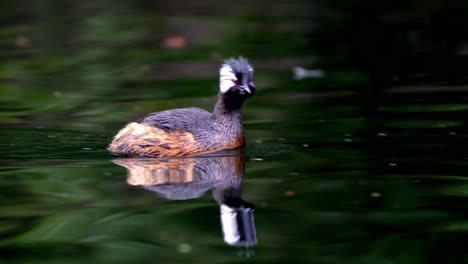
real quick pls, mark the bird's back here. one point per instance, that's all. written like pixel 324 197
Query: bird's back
pixel 182 119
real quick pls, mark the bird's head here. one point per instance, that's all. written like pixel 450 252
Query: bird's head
pixel 236 78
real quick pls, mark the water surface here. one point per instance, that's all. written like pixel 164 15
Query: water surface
pixel 329 184
pixel 337 169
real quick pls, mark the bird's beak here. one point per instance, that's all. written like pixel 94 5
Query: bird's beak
pixel 245 84
pixel 246 88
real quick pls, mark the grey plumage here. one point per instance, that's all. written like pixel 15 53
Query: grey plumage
pixel 192 131
pixel 208 128
pixel 239 65
pixel 186 119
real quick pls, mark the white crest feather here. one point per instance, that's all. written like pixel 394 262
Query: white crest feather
pixel 226 78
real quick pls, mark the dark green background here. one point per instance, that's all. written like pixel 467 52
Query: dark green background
pixel 366 164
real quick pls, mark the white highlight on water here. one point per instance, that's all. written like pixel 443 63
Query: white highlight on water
pixel 229 224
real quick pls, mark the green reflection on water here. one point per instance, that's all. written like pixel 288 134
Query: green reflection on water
pixel 336 176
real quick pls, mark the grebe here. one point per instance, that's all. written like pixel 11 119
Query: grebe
pixel 192 131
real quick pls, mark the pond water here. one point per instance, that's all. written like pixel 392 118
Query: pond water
pixel 329 175
pixel 329 184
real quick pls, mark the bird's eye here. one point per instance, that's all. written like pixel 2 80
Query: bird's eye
pixel 236 82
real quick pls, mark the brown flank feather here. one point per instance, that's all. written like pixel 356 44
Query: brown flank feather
pixel 137 138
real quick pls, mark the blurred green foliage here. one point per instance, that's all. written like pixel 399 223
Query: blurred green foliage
pixel 366 164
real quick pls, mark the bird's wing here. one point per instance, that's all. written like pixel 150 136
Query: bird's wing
pixel 182 119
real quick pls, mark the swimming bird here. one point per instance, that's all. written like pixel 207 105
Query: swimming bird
pixel 193 131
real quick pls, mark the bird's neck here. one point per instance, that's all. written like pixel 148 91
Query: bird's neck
pixel 226 112
pixel 227 104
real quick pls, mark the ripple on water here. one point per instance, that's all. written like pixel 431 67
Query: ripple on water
pixel 42 143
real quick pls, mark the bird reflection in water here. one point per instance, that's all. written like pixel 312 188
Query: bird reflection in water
pixel 190 178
